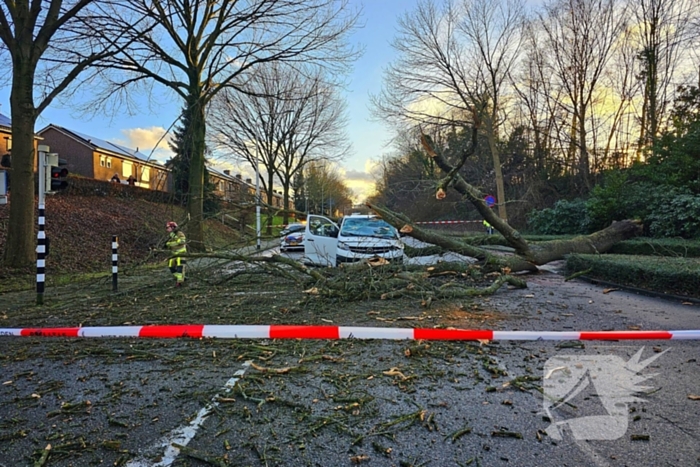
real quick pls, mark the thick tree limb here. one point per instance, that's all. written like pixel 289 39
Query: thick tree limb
pixel 259 259
pixel 536 254
pixel 488 260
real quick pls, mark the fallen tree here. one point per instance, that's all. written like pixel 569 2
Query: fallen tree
pixel 362 280
pixel 527 256
pixel 377 280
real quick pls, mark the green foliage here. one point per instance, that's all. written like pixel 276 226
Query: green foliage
pixel 676 157
pixel 608 200
pixel 679 217
pixel 665 210
pixel 566 217
pixel 181 145
pixel 677 276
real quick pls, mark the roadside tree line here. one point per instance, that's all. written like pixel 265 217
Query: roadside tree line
pixel 556 96
pixel 114 56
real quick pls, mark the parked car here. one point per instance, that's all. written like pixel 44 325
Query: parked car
pixel 358 237
pixel 292 237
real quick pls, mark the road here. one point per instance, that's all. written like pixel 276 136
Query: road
pixel 378 403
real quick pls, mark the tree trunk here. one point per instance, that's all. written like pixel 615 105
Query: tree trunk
pixel 584 161
pixel 195 202
pixel 20 246
pixel 285 203
pixel 500 189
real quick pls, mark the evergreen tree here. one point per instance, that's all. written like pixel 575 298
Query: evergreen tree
pixel 181 145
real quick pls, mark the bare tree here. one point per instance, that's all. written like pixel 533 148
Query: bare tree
pixel 292 116
pixel 663 29
pixel 453 66
pixel 199 48
pixel 580 36
pixel 325 189
pixel 50 44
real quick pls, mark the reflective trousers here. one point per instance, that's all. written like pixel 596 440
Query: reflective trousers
pixel 177 267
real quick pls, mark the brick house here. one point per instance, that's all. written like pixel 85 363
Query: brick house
pixel 5 139
pixel 236 189
pixel 6 143
pixel 102 160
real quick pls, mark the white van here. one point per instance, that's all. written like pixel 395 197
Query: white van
pixel 358 237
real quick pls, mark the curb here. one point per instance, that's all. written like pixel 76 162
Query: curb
pixel 637 290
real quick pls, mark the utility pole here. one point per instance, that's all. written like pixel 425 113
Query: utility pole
pixel 257 199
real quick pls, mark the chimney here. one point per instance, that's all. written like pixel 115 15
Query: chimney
pixel 227 172
pixel 238 176
pixel 248 180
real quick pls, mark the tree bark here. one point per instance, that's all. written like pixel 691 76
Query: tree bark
pixel 195 201
pixel 20 247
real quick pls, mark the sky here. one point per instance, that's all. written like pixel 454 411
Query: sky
pixel 369 138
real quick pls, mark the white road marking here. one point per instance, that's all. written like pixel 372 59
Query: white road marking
pixel 184 434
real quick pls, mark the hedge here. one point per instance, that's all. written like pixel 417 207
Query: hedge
pixel 665 275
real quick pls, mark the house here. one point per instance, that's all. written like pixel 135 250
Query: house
pixel 235 189
pixel 230 188
pixel 6 143
pixel 5 140
pixel 102 160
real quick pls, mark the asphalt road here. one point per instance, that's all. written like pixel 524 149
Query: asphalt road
pixel 378 403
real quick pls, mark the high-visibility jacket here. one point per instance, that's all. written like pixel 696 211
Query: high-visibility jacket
pixel 486 224
pixel 177 243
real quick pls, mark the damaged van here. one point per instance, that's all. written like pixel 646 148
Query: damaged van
pixel 357 237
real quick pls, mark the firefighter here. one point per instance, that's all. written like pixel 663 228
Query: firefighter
pixel 489 227
pixel 177 244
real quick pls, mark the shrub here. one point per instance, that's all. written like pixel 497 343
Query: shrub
pixel 565 218
pixel 677 216
pixel 645 246
pixel 677 276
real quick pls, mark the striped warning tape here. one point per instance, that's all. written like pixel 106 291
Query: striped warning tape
pixel 340 332
pixel 447 222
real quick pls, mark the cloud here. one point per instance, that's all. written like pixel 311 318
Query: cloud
pixel 361 189
pixel 356 175
pixel 361 182
pixel 148 140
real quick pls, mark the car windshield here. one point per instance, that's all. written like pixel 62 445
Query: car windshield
pixel 364 227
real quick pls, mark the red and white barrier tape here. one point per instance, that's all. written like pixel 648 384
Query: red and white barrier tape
pixel 447 222
pixel 341 332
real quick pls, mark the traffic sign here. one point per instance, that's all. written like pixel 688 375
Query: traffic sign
pixel 490 201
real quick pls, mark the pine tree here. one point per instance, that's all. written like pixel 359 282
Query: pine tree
pixel 181 145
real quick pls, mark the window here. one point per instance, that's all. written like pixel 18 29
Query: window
pixel 103 161
pixel 109 162
pixel 127 169
pixel 221 186
pixel 145 174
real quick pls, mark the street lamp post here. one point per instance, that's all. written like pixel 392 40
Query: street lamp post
pixel 257 200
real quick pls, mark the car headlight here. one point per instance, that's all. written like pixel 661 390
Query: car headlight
pixel 343 246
